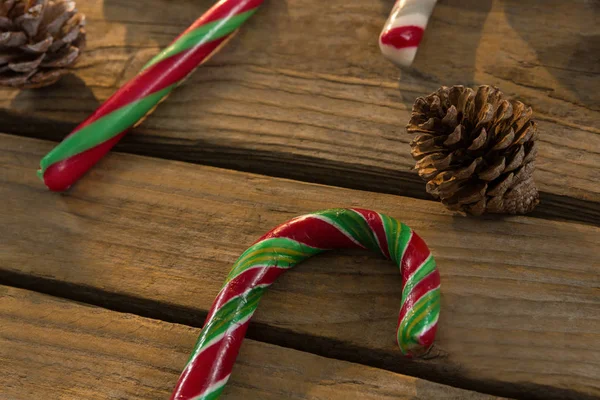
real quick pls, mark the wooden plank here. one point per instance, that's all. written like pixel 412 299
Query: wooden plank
pixel 521 306
pixel 296 96
pixel 110 355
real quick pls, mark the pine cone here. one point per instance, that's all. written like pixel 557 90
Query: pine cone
pixel 476 150
pixel 39 39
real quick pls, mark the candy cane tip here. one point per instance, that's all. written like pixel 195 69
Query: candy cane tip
pixel 54 181
pixel 404 29
pixel 415 350
pixel 401 57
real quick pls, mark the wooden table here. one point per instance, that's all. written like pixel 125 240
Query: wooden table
pixel 104 288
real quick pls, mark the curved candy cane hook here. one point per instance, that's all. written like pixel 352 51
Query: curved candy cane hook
pixel 404 29
pixel 211 362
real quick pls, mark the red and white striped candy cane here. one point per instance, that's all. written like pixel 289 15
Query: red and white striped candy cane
pixel 404 29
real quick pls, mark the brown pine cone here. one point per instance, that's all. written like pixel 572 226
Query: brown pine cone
pixel 39 39
pixel 476 150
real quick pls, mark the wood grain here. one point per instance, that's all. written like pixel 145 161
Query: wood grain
pixel 521 297
pixel 302 92
pixel 75 351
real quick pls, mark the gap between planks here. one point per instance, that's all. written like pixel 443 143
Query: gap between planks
pixel 298 167
pixel 138 232
pixel 110 355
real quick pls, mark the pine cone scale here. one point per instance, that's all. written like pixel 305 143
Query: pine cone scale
pixel 505 111
pixel 493 171
pixel 501 186
pixel 12 39
pixel 475 149
pixel 479 141
pixel 506 141
pixel 26 66
pixel 455 137
pixel 5 24
pixel 63 60
pixel 526 134
pixel 39 47
pixel 451 117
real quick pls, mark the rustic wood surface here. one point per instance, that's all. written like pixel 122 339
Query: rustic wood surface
pixel 521 304
pixel 53 348
pixel 302 91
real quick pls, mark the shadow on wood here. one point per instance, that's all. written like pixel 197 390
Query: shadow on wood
pixel 448 52
pixel 571 54
pixel 35 101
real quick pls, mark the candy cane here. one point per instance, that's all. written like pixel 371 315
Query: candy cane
pixel 93 138
pixel 404 29
pixel 212 359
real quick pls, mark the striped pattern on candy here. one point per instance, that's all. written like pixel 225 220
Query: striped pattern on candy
pixel 93 138
pixel 212 359
pixel 404 29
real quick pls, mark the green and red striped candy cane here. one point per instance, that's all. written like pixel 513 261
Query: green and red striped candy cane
pixel 212 359
pixel 93 138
